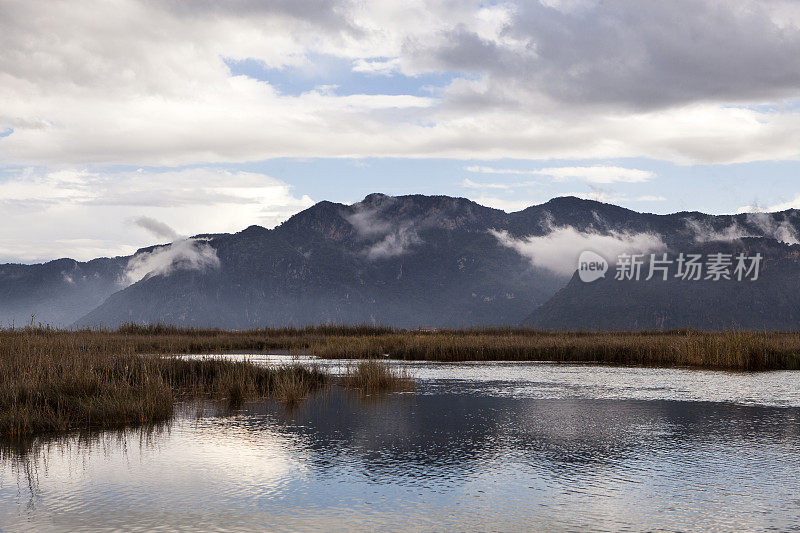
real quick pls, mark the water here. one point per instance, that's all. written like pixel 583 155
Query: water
pixel 477 446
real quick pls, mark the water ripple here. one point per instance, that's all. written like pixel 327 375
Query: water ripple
pixel 508 447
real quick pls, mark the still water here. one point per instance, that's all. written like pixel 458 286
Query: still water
pixel 476 446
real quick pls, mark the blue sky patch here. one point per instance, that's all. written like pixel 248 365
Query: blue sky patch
pixel 322 70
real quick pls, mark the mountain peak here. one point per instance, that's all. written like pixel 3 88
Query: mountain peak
pixel 374 198
pixel 571 201
pixel 406 260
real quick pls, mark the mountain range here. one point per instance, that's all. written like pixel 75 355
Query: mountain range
pixel 770 302
pixel 416 261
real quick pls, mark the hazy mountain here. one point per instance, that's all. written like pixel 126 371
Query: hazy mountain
pixel 57 292
pixel 771 302
pixel 410 261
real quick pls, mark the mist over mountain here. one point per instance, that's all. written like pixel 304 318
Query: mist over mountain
pixel 770 302
pixel 57 292
pixel 409 261
pixel 415 261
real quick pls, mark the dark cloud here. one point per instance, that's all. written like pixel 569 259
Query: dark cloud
pixel 156 227
pixel 331 14
pixel 642 54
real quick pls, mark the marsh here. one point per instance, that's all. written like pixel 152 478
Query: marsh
pixel 474 445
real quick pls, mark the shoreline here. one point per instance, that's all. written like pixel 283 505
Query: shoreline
pixel 728 350
pixel 58 380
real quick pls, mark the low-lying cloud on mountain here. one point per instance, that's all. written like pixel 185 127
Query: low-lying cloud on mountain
pixel 187 254
pixel 754 225
pixel 389 239
pixel 780 231
pixel 703 231
pixel 558 250
pixel 414 261
pixel 394 244
pixel 182 254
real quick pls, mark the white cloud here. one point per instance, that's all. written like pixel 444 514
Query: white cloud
pixel 85 214
pixel 756 225
pixel 493 170
pixel 377 66
pixel 593 174
pixel 509 205
pixel 146 83
pixel 469 184
pixel 156 227
pixel 558 250
pixel 386 238
pixel 598 174
pixel 185 254
pixel 794 203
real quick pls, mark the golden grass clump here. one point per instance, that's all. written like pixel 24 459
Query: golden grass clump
pixel 55 380
pixel 729 350
pixel 732 350
pixel 372 376
pixel 53 383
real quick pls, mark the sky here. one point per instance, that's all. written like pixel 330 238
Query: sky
pixel 212 116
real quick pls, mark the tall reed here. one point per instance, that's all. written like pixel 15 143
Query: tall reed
pixel 371 376
pixel 51 382
pixel 732 350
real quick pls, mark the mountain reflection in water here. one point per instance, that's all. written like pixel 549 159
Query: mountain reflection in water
pixel 448 457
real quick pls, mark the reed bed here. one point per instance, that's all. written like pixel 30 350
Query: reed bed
pixel 743 351
pixel 731 350
pixel 56 380
pixel 371 376
pixel 61 385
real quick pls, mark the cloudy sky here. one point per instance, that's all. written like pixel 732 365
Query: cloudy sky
pixel 210 117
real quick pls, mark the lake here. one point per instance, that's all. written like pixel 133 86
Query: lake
pixel 500 446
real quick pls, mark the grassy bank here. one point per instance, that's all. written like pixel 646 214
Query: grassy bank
pixel 736 350
pixel 743 351
pixel 55 380
pixel 44 388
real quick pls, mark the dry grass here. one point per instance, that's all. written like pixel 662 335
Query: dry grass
pixel 734 350
pixel 54 386
pixel 745 350
pixel 371 376
pixel 55 380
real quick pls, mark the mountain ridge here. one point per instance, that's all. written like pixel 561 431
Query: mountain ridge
pixel 406 261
